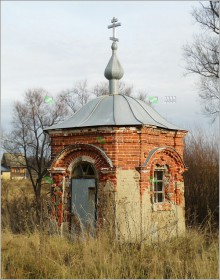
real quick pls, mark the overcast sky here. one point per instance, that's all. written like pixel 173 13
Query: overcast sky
pixel 54 44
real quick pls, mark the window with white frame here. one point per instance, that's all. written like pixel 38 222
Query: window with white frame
pixel 159 183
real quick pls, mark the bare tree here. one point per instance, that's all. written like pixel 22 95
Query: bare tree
pixel 80 94
pixel 208 16
pixel 143 96
pixel 125 89
pixel 202 56
pixel 103 89
pixel 201 155
pixel 209 93
pixel 30 117
pixel 77 96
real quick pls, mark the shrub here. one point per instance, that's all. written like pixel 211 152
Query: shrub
pixel 201 156
pixel 18 207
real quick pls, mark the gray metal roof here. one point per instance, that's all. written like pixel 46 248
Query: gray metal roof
pixel 114 110
pixel 4 169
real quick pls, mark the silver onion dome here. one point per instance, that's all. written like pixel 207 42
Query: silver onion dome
pixel 114 70
pixel 114 109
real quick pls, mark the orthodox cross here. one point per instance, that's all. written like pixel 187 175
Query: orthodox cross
pixel 113 25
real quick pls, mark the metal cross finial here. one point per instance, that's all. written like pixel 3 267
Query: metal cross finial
pixel 113 25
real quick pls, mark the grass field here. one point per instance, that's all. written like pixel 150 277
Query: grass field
pixel 39 256
pixel 30 252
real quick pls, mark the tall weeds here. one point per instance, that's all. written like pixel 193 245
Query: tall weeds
pixel 30 252
pixel 36 254
pixel 39 256
pixel 201 156
pixel 18 207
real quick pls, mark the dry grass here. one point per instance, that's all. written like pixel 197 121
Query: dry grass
pixel 40 256
pixel 28 251
pixel 18 206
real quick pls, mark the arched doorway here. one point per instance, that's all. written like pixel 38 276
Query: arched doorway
pixel 83 198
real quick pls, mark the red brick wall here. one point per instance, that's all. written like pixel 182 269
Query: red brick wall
pixel 127 148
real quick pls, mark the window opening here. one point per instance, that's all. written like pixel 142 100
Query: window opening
pixel 159 183
pixel 83 170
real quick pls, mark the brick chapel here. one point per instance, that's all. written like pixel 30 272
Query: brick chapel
pixel 117 164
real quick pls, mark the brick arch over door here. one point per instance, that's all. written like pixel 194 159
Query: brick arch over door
pixel 72 153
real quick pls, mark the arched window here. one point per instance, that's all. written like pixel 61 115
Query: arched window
pixel 83 170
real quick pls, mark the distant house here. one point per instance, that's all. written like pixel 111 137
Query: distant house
pixel 13 166
pixel 5 173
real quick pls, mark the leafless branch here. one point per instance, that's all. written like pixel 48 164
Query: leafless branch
pixel 202 56
pixel 30 117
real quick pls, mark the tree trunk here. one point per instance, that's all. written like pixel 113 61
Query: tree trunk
pixel 38 203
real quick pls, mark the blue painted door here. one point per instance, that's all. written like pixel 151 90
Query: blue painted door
pixel 83 204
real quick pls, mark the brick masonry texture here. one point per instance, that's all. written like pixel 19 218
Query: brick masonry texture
pixel 119 149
